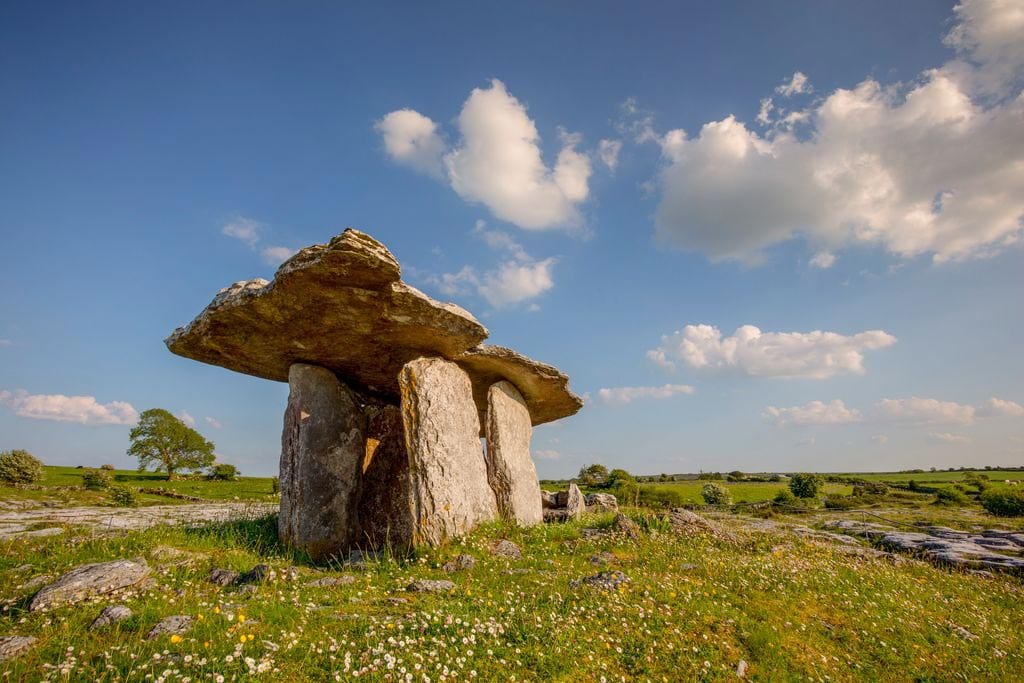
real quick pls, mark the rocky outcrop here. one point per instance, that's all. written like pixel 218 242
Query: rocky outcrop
pixel 446 460
pixel 322 451
pixel 386 514
pixel 566 505
pixel 601 502
pixel 510 470
pixel 89 580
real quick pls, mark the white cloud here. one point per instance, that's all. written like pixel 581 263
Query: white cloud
pixel 997 407
pixel 930 168
pixel 547 455
pixel 814 413
pixel 213 422
pixel 410 138
pixel 500 240
pixel 81 409
pixel 749 351
pixel 823 260
pixel 274 256
pixel 498 160
pixel 797 85
pixel 947 437
pixel 916 410
pixel 244 229
pixel 608 152
pixel 620 396
pixel 186 418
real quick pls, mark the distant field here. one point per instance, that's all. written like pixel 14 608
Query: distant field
pixel 741 492
pixel 65 484
pixel 902 477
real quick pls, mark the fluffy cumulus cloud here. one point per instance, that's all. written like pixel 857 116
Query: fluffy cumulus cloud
pixel 797 85
pixel 548 454
pixel 251 232
pixel 186 418
pixel 60 408
pixel 620 396
pixel 814 413
pixel 274 256
pixel 213 422
pixel 498 160
pixel 608 152
pixel 823 260
pixel 998 407
pixel 517 279
pixel 749 351
pixel 916 410
pixel 934 167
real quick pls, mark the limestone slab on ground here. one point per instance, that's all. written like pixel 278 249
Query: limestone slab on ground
pixel 322 450
pixel 446 461
pixel 88 580
pixel 510 470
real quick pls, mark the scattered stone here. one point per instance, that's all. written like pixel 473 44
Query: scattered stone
pixel 510 469
pixel 575 503
pixel 258 574
pixel 547 500
pixel 601 502
pixel 626 526
pixel 396 601
pixel 687 523
pixel 322 449
pixel 89 580
pixel 430 586
pixel 12 646
pixel 603 580
pixel 446 459
pixel 23 568
pixel 460 563
pixel 171 626
pixel 557 515
pixel 223 577
pixel 741 669
pixel 331 581
pixel 110 615
pixel 602 558
pixel 247 589
pixel 506 548
pixel 174 556
pixel 37 581
pixel 962 632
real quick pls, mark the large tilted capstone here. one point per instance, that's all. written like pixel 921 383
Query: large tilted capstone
pixel 322 450
pixel 510 469
pixel 390 394
pixel 446 459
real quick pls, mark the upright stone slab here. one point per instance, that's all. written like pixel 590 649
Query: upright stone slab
pixel 510 470
pixel 386 514
pixel 442 436
pixel 322 450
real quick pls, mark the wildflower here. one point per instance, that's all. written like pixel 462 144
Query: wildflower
pixel 175 638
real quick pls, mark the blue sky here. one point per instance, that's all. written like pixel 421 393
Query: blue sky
pixel 849 183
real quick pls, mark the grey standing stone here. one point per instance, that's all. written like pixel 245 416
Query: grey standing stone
pixel 88 580
pixel 446 459
pixel 322 450
pixel 386 515
pixel 510 469
pixel 575 503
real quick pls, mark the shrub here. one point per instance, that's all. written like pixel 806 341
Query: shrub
pixel 715 494
pixel 20 467
pixel 123 496
pixel 663 497
pixel 870 488
pixel 222 471
pixel 108 467
pixel 950 497
pixel 1007 503
pixel 784 497
pixel 841 502
pixel 275 485
pixel 96 480
pixel 805 485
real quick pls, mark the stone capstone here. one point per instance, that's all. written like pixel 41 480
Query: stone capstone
pixel 89 580
pixel 510 470
pixel 322 449
pixel 446 461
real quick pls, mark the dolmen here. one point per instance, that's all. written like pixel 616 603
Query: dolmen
pixel 401 427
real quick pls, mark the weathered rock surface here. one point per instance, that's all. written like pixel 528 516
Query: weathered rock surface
pixel 510 470
pixel 323 445
pixel 258 574
pixel 602 580
pixel 506 548
pixel 687 523
pixel 601 502
pixel 547 500
pixel 460 563
pixel 114 520
pixel 446 460
pixel 331 581
pixel 626 526
pixel 575 503
pixel 430 586
pixel 89 580
pixel 223 577
pixel 175 625
pixel 386 515
pixel 12 646
pixel 110 615
pixel 339 305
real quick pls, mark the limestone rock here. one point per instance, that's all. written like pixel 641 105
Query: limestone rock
pixel 430 586
pixel 603 580
pixel 687 523
pixel 626 526
pixel 12 646
pixel 575 503
pixel 110 615
pixel 322 449
pixel 88 580
pixel 223 577
pixel 506 548
pixel 172 626
pixel 446 461
pixel 510 470
pixel 331 581
pixel 258 574
pixel 544 388
pixel 460 563
pixel 339 305
pixel 547 500
pixel 386 515
pixel 602 502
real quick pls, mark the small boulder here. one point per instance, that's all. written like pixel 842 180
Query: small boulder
pixel 258 574
pixel 626 526
pixel 603 580
pixel 223 577
pixel 110 615
pixel 89 580
pixel 506 548
pixel 172 626
pixel 430 586
pixel 330 581
pixel 602 558
pixel 12 646
pixel 460 563
pixel 601 502
pixel 575 503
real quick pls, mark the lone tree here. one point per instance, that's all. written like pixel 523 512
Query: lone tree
pixel 593 475
pixel 805 485
pixel 170 444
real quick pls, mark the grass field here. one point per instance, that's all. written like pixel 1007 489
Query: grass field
pixel 694 608
pixel 64 485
